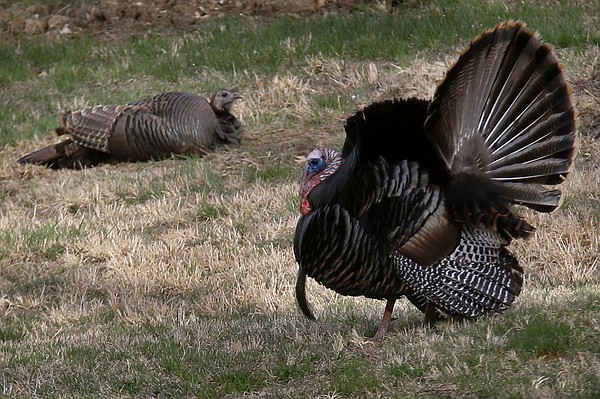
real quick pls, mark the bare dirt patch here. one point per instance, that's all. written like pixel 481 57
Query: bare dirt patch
pixel 115 18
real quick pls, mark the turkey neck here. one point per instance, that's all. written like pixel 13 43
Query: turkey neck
pixel 228 128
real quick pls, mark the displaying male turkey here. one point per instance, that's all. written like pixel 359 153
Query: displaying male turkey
pixel 418 202
pixel 154 128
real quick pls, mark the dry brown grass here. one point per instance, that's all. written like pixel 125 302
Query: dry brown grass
pixel 207 244
pixel 159 246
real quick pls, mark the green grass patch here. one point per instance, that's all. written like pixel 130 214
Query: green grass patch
pixel 235 50
pixel 333 101
pixel 208 211
pixel 403 371
pixel 541 337
pixel 272 171
pixel 567 203
pixel 65 64
pixel 355 377
pixel 286 370
pixel 239 381
pixel 7 242
pixel 212 181
pixel 239 354
pixel 48 240
pixel 11 333
pixel 275 172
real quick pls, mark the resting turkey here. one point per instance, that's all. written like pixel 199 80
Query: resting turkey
pixel 155 128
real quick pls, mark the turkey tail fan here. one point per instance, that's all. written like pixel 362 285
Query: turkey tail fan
pixel 504 117
pixel 66 154
pixel 478 277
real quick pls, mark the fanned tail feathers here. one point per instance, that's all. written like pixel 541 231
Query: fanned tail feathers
pixel 504 119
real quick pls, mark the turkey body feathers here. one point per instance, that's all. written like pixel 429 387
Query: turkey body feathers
pixel 154 128
pixel 351 258
pixel 425 189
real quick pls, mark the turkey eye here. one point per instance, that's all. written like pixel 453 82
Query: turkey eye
pixel 315 165
pixel 223 94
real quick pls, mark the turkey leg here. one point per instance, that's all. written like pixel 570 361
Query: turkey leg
pixel 385 321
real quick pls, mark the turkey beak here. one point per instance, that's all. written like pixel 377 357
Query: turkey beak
pixel 235 96
pixel 301 161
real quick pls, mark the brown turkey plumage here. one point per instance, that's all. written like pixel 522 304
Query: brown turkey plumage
pixel 419 201
pixel 150 129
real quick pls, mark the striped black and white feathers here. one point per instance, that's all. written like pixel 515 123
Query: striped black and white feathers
pixel 419 202
pixel 154 128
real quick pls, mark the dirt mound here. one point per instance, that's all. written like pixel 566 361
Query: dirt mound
pixel 114 18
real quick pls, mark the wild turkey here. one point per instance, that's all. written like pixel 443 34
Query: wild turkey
pixel 154 128
pixel 418 202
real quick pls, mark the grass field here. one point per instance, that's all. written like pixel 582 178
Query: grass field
pixel 175 279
